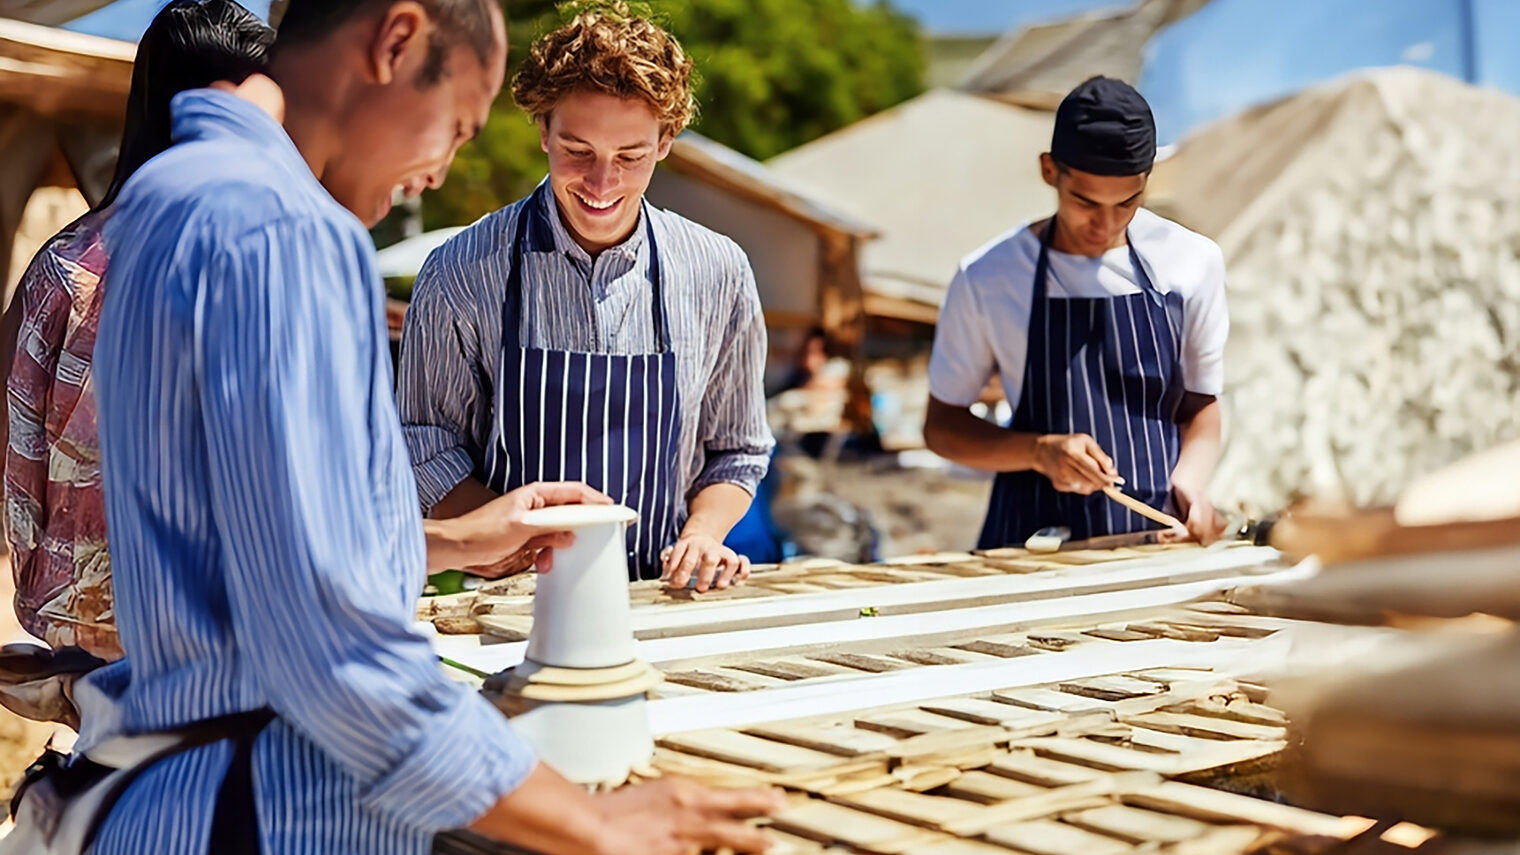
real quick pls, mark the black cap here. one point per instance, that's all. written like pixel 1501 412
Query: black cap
pixel 1104 127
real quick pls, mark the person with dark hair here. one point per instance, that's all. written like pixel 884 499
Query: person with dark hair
pixel 267 545
pixel 56 514
pixel 1106 325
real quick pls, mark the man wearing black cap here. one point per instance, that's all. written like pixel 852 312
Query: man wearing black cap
pixel 1106 325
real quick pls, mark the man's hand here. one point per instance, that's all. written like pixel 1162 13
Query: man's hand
pixel 673 816
pixel 1074 463
pixel 714 564
pixel 492 537
pixel 1204 523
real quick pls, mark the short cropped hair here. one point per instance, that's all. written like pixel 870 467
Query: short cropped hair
pixel 459 21
pixel 609 50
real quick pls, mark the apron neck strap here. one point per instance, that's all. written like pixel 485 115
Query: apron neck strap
pixel 535 233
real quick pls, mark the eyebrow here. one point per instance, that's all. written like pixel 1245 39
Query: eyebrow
pixel 575 139
pixel 1100 204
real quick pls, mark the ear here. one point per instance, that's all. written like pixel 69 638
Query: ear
pixel 543 133
pixel 401 31
pixel 1048 169
pixel 666 141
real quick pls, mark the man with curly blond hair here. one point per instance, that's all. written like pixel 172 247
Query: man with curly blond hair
pixel 581 333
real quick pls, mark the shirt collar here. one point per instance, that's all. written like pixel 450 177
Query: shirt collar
pixel 563 242
pixel 203 114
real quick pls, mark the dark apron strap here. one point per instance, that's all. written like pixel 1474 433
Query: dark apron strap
pixel 534 233
pixel 235 821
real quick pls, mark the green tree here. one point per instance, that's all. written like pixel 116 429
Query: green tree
pixel 771 75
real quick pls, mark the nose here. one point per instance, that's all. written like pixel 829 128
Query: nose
pixel 599 177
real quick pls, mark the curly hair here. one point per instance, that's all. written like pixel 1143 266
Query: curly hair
pixel 607 49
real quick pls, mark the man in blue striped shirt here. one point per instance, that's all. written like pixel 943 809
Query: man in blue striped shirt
pixel 265 536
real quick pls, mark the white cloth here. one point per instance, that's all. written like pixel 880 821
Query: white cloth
pixel 984 323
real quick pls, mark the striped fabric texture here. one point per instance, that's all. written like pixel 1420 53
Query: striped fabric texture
pixel 265 539
pixel 451 348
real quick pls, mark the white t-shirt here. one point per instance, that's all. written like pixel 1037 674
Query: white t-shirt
pixel 984 323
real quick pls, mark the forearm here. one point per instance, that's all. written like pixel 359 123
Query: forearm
pixel 955 434
pixel 451 540
pixel 1200 427
pixel 715 510
pixel 546 814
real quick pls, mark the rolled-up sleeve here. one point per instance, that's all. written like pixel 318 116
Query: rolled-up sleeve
pixel 437 388
pixel 736 438
pixel 292 442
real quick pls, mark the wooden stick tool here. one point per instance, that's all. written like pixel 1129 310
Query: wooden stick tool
pixel 1143 509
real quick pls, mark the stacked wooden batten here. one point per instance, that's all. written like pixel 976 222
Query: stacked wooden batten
pixel 992 703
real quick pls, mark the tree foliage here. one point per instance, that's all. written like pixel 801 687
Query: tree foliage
pixel 772 74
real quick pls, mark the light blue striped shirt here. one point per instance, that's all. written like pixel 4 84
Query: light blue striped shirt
pixel 451 347
pixel 265 539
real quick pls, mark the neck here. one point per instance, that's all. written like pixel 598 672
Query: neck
pixel 1062 241
pixel 594 248
pixel 312 96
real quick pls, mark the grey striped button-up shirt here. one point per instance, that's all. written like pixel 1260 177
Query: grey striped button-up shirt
pixel 451 347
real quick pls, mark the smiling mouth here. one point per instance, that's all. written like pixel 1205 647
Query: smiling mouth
pixel 597 207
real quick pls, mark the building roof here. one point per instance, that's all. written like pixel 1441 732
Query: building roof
pixel 939 175
pixel 698 157
pixel 58 73
pixel 1051 59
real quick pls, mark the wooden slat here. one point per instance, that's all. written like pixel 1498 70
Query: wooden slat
pixel 827 823
pixel 840 738
pixel 1137 825
pixel 1024 765
pixel 986 787
pixel 1050 700
pixel 1207 726
pixel 1049 837
pixel 732 747
pixel 904 723
pixel 1057 800
pixel 1118 757
pixel 1216 806
pixel 936 812
pixel 1112 688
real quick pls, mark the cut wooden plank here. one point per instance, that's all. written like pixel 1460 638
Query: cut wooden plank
pixel 998 649
pixel 1024 765
pixel 947 743
pixel 1056 641
pixel 743 749
pixel 922 778
pixel 935 627
pixel 861 662
pixel 934 812
pixel 969 569
pixel 710 682
pixel 840 737
pixel 1050 700
pixel 833 697
pixel 1049 837
pixel 938 656
pixel 1191 746
pixel 1136 825
pixel 1179 633
pixel 1117 633
pixel 1224 840
pixel 910 721
pixel 788 669
pixel 1239 709
pixel 988 788
pixel 1108 756
pixel 828 823
pixel 1087 794
pixel 1206 726
pixel 1112 688
pixel 1216 806
pixel 953 846
pixel 790 844
pixel 1021 720
pixel 928 558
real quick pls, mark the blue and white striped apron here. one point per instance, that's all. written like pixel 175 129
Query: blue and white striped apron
pixel 607 419
pixel 1108 367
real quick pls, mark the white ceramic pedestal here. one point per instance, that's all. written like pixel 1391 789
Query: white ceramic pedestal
pixel 580 608
pixel 589 742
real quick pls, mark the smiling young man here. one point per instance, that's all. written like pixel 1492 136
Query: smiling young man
pixel 582 333
pixel 1106 325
